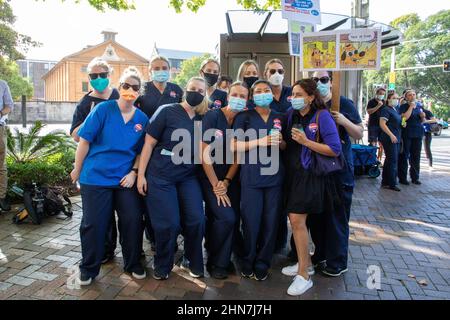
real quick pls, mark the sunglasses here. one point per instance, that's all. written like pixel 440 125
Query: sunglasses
pixel 102 75
pixel 135 87
pixel 273 71
pixel 324 80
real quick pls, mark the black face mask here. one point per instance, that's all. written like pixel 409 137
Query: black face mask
pixel 194 98
pixel 250 81
pixel 210 78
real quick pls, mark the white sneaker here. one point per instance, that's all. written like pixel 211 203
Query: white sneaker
pixel 292 271
pixel 299 286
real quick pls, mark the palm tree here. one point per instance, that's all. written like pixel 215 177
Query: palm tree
pixel 27 147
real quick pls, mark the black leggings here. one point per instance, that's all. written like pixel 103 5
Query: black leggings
pixel 427 143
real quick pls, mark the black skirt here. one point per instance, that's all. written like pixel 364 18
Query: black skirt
pixel 310 194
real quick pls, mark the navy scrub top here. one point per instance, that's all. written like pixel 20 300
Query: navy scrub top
pixel 349 110
pixel 393 121
pixel 414 128
pixel 85 106
pixel 251 173
pixel 216 121
pixel 114 144
pixel 374 118
pixel 428 116
pixel 284 103
pixel 169 119
pixel 218 99
pixel 152 98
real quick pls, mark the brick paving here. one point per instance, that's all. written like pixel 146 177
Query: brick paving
pixel 406 235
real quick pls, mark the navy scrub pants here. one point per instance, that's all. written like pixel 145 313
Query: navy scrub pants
pixel 174 207
pixel 260 210
pixel 412 147
pixel 98 204
pixel 221 222
pixel 389 177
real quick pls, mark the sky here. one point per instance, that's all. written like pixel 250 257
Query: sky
pixel 66 28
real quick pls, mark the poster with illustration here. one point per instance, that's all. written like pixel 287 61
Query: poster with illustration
pixel 306 11
pixel 319 51
pixel 295 30
pixel 359 49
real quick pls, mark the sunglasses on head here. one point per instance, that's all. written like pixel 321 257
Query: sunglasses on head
pixel 135 87
pixel 324 80
pixel 102 75
pixel 273 71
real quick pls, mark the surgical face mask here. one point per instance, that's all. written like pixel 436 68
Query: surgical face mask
pixel 100 84
pixel 324 89
pixel 194 98
pixel 380 96
pixel 263 100
pixel 210 78
pixel 249 81
pixel 161 76
pixel 128 95
pixel 276 79
pixel 393 102
pixel 298 103
pixel 237 104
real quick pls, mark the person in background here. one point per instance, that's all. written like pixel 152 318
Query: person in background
pixel 274 73
pixel 210 70
pixel 249 73
pixel 224 83
pixel 6 106
pixel 106 162
pixel 428 122
pixel 412 135
pixel 374 108
pixel 390 137
pixel 99 72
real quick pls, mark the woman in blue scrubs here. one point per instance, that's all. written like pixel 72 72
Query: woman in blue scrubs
pixel 219 185
pixel 210 71
pixel 390 124
pixel 106 162
pixel 167 178
pixel 274 73
pixel 249 73
pixel 259 141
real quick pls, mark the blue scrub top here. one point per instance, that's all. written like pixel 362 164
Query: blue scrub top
pixel 86 104
pixel 218 99
pixel 393 121
pixel 349 110
pixel 414 128
pixel 428 116
pixel 251 173
pixel 114 144
pixel 216 120
pixel 284 103
pixel 169 119
pixel 152 97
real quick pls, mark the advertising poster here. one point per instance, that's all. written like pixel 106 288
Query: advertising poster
pixel 295 30
pixel 307 11
pixel 360 49
pixel 319 51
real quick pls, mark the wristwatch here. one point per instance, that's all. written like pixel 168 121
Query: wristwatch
pixel 135 170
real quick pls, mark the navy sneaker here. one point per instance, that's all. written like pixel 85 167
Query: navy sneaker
pixel 219 273
pixel 159 275
pixel 84 279
pixel 330 272
pixel 139 273
pixel 247 272
pixel 261 275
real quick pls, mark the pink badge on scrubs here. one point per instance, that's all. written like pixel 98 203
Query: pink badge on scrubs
pixel 313 127
pixel 138 127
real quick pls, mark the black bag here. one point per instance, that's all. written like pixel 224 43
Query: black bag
pixel 434 128
pixel 56 202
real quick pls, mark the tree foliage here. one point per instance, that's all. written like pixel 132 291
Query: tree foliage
pixel 19 86
pixel 190 68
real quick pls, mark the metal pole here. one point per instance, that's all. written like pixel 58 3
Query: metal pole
pixel 24 111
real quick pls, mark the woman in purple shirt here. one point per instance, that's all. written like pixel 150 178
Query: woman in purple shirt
pixel 308 193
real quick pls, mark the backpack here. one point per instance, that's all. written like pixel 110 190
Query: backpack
pixel 56 202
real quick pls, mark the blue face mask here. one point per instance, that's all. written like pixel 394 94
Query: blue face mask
pixel 161 76
pixel 263 100
pixel 237 104
pixel 324 89
pixel 298 103
pixel 100 84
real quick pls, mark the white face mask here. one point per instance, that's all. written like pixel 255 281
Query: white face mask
pixel 393 102
pixel 276 79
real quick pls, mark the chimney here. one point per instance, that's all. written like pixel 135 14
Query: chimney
pixel 109 34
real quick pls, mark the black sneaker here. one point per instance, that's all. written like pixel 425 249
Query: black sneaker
pixel 395 188
pixel 84 279
pixel 406 183
pixel 247 273
pixel 4 205
pixel 139 273
pixel 194 274
pixel 108 258
pixel 219 273
pixel 320 266
pixel 261 275
pixel 160 276
pixel 330 272
pixel 417 182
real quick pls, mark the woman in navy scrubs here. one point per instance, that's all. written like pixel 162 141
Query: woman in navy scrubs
pixel 274 73
pixel 210 70
pixel 412 135
pixel 99 78
pixel 219 185
pixel 390 124
pixel 167 178
pixel 106 161
pixel 249 73
pixel 309 193
pixel 159 91
pixel 259 141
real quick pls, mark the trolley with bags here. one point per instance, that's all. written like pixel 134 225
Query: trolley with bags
pixel 365 160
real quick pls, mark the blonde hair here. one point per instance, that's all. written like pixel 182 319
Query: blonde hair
pixel 266 68
pixel 243 68
pixel 159 58
pixel 203 107
pixel 205 62
pixel 99 62
pixel 133 73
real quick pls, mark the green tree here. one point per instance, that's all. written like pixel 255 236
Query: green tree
pixel 190 68
pixel 9 72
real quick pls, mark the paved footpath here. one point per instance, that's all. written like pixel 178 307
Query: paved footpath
pixel 404 237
